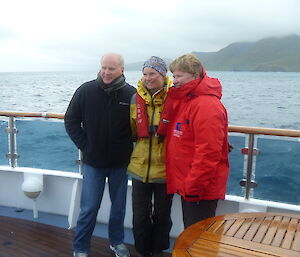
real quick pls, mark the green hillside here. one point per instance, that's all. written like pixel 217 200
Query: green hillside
pixel 270 54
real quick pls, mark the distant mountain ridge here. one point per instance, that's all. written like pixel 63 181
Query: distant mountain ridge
pixel 269 54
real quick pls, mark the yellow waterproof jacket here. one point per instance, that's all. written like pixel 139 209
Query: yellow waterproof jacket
pixel 147 162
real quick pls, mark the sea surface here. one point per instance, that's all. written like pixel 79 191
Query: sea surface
pixel 266 99
pixel 263 99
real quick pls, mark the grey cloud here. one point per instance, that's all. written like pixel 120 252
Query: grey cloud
pixel 196 26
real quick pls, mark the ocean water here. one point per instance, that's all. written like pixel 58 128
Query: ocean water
pixel 266 99
pixel 251 98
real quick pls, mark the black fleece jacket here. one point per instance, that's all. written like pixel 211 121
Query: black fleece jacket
pixel 105 136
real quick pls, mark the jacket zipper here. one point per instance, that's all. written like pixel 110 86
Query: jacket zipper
pixel 110 104
pixel 150 142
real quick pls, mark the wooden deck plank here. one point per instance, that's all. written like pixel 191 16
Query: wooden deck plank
pixel 214 249
pixel 225 227
pixel 272 230
pixel 296 244
pixel 226 241
pixel 180 253
pixel 17 239
pixel 281 231
pixel 244 228
pixel 264 224
pixel 289 237
pixel 235 227
pixel 23 234
pixel 22 238
pixel 251 232
pixel 208 253
pixel 205 248
pixel 216 226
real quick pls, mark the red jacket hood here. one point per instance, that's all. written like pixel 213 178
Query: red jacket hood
pixel 201 86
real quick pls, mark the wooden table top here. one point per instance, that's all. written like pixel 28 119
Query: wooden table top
pixel 241 234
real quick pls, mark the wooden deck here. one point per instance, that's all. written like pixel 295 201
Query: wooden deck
pixel 242 234
pixel 22 238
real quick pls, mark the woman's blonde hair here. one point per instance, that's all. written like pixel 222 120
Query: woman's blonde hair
pixel 187 63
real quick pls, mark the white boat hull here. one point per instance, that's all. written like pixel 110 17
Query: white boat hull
pixel 61 194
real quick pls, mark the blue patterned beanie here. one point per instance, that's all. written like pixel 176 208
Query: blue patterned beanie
pixel 157 64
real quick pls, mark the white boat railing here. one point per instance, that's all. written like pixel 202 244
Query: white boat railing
pixel 249 150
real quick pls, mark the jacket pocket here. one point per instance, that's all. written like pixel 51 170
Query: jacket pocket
pixel 139 153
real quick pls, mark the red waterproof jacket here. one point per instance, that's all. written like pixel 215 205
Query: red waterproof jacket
pixel 197 163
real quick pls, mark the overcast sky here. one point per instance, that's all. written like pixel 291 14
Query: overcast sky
pixel 48 35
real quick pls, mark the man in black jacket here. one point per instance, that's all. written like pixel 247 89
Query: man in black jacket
pixel 97 121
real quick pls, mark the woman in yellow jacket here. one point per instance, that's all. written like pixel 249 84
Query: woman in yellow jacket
pixel 151 221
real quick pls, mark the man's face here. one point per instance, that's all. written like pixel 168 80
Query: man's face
pixel 181 77
pixel 110 68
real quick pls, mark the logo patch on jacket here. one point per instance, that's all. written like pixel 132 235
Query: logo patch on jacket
pixel 177 131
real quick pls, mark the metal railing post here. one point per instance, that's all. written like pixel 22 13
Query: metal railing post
pixel 80 162
pixel 249 165
pixel 12 142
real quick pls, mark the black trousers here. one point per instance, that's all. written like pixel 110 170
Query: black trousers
pixel 196 211
pixel 151 221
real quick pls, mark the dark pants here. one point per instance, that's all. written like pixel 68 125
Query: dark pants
pixel 151 226
pixel 196 211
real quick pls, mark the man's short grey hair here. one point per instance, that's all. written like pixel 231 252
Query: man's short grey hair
pixel 120 58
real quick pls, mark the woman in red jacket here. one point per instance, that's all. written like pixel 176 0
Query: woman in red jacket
pixel 197 146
